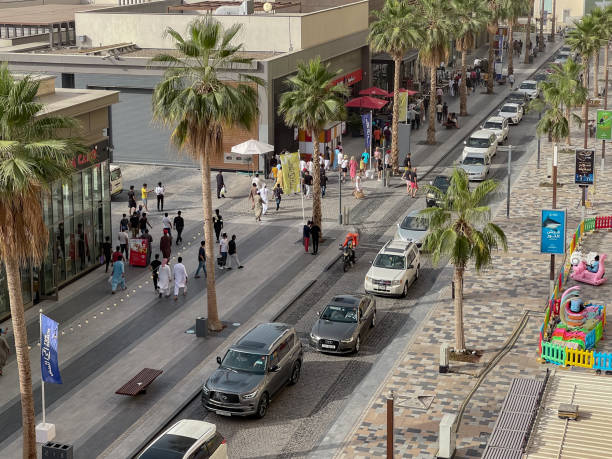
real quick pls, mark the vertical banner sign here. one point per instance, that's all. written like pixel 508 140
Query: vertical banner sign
pixel 553 222
pixel 290 170
pixel 138 251
pixel 49 366
pixel 584 167
pixel 366 120
pixel 403 107
pixel 604 125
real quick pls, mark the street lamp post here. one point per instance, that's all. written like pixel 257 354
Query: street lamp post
pixel 539 118
pixel 509 178
pixel 554 206
pixel 340 195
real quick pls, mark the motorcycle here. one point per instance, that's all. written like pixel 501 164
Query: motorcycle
pixel 348 257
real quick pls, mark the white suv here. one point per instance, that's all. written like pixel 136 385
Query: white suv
pixel 394 269
pixel 529 87
pixel 481 141
pixel 499 126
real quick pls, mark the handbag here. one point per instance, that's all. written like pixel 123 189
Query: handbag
pixel 223 191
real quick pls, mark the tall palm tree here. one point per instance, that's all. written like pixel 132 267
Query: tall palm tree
pixel 470 17
pixel 310 103
pixel 601 22
pixel 528 31
pixel 606 32
pixel 496 12
pixel 433 18
pixel 461 228
pixel 393 31
pixel 513 10
pixel 585 40
pixel 32 156
pixel 198 105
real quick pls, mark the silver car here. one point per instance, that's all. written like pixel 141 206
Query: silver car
pixel 413 228
pixel 255 368
pixel 343 324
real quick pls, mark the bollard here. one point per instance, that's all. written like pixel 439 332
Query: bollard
pixel 446 437
pixel 390 426
pixel 444 353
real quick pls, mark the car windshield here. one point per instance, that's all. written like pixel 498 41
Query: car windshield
pixel 388 261
pixel 508 109
pixel 492 125
pixel 414 223
pixel 477 143
pixel 528 86
pixel 469 160
pixel 245 361
pixel 336 313
pixel 115 174
pixel 169 446
pixel 441 183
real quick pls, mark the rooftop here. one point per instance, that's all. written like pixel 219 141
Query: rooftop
pixel 42 14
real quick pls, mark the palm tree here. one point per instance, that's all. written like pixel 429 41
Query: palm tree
pixel 198 105
pixel 496 12
pixel 393 31
pixel 606 32
pixel 513 10
pixel 433 19
pixel 310 103
pixel 461 228
pixel 470 16
pixel 601 23
pixel 32 157
pixel 528 31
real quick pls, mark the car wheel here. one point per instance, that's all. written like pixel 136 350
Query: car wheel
pixel 405 291
pixel 357 345
pixel 418 272
pixel 295 373
pixel 373 323
pixel 262 407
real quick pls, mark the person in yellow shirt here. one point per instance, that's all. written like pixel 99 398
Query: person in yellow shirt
pixel 144 195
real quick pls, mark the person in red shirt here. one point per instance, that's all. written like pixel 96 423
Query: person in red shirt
pixel 116 254
pixel 377 135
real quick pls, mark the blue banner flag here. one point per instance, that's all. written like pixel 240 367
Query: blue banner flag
pixel 553 224
pixel 49 366
pixel 366 120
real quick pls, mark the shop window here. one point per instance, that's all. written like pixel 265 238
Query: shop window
pixel 77 193
pixel 87 189
pixel 46 209
pixel 89 245
pixel 78 243
pixel 70 248
pixel 105 181
pixel 67 197
pixel 97 185
pixel 56 197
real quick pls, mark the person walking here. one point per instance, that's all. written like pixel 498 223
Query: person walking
pixel 264 192
pixel 165 245
pixel 439 108
pixel 144 194
pixel 323 182
pixel 511 81
pixel 352 168
pixel 107 248
pixel 414 181
pixel 124 223
pixel 179 225
pixel 308 183
pixel 134 224
pixel 306 235
pixel 315 233
pixel 377 134
pixel 116 254
pixel 223 248
pixel 143 223
pixel 220 184
pixel 180 278
pixel 217 224
pixel 278 191
pixel 5 350
pixel 407 177
pixel 146 236
pixel 326 158
pixel 131 200
pixel 444 111
pixel 123 243
pixel 257 206
pixel 155 264
pixel 159 194
pixel 118 277
pixel 167 224
pixel 233 255
pixel 252 195
pixel 201 261
pixel 164 278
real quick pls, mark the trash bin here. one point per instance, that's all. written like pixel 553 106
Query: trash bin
pixel 53 450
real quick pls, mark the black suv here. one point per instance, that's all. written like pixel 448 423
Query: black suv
pixel 517 97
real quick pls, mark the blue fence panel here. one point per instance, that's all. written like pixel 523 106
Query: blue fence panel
pixel 602 361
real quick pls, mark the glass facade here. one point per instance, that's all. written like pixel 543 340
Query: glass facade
pixel 77 213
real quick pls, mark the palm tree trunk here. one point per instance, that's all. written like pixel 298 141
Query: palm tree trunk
pixel 214 324
pixel 511 47
pixel 568 112
pixel 459 336
pixel 22 355
pixel 394 123
pixel 491 69
pixel 528 35
pixel 596 75
pixel 431 128
pixel 463 88
pixel 316 182
pixel 585 105
pixel 605 97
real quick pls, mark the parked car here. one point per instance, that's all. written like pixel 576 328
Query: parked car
pixel 542 76
pixel 413 228
pixel 481 141
pixel 266 358
pixel 476 166
pixel 514 113
pixel 441 182
pixel 516 97
pixel 188 439
pixel 530 88
pixel 343 324
pixel 562 56
pixel 394 269
pixel 499 126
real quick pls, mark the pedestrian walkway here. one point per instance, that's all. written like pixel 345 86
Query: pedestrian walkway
pixel 495 301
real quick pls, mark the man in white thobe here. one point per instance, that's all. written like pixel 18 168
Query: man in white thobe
pixel 263 193
pixel 180 278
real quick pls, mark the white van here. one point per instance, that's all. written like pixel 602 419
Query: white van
pixel 116 180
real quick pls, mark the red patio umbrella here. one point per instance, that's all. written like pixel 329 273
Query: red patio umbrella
pixel 410 92
pixel 374 91
pixel 371 103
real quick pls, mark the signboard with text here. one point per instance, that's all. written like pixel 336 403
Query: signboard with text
pixel 604 125
pixel 585 159
pixel 138 252
pixel 553 223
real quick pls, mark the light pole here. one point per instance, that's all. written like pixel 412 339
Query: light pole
pixel 539 118
pixel 554 206
pixel 340 195
pixel 509 149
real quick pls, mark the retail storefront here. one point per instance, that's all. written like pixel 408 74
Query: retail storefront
pixel 78 215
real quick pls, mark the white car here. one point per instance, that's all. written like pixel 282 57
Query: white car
pixel 394 269
pixel 476 166
pixel 562 57
pixel 481 141
pixel 529 87
pixel 513 112
pixel 412 228
pixel 499 125
pixel 187 439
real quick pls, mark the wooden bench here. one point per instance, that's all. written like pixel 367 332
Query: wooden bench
pixel 139 383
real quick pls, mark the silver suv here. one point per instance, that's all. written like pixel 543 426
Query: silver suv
pixel 256 367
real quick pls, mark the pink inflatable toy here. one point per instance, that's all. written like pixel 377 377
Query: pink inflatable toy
pixel 581 274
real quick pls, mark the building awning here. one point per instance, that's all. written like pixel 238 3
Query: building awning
pixel 409 56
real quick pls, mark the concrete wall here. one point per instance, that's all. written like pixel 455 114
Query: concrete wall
pixel 323 26
pixel 576 11
pixel 22 3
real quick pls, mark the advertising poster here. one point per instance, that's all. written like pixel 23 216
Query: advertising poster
pixel 584 167
pixel 138 252
pixel 49 366
pixel 366 120
pixel 604 125
pixel 553 224
pixel 290 169
pixel 403 107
